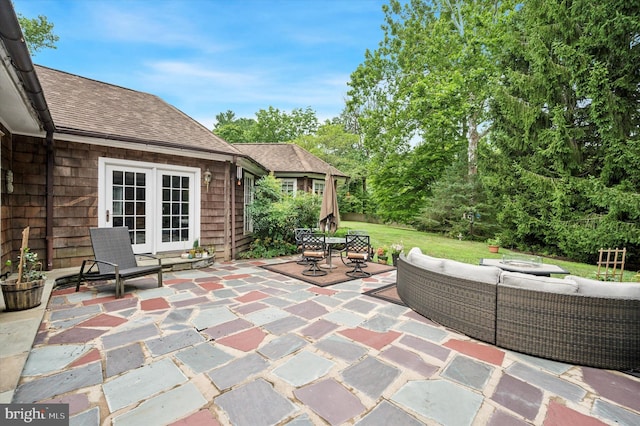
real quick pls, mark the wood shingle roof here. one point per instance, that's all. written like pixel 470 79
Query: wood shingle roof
pixel 287 158
pixel 86 107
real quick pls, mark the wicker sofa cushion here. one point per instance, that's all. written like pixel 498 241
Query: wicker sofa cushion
pixel 429 263
pixel 533 282
pixel 614 290
pixel 466 271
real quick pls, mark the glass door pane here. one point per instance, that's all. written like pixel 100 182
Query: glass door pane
pixel 176 219
pixel 127 204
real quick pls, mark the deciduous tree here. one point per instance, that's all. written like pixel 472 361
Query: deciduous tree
pixel 38 33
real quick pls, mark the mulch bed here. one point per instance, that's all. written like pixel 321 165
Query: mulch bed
pixel 336 276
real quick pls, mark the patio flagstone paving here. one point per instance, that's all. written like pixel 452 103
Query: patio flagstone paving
pixel 235 344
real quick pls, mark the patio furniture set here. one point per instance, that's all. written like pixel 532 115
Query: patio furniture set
pixel 315 247
pixel 574 320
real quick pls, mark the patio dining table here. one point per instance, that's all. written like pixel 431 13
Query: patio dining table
pixel 332 241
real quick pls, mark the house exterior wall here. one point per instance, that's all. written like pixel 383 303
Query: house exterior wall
pixel 25 156
pixel 5 217
pixel 75 198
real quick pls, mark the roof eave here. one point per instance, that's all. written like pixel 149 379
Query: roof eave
pixel 16 47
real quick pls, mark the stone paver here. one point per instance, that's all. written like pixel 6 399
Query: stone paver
pixel 386 414
pixel 88 418
pixel 410 360
pixel 303 368
pixel 319 328
pixel 208 318
pixel 265 316
pixel 371 338
pixel 59 383
pixel 615 413
pixel 546 381
pixel 614 386
pixel 173 342
pixel 255 404
pixel 442 401
pixel 518 396
pixel 468 372
pixel 331 401
pixel 123 359
pixel 164 408
pixel 308 310
pixel 282 346
pixel 46 359
pixel 203 357
pixel 344 318
pixel 129 336
pixel 426 347
pixel 341 347
pixel 284 325
pixel 76 335
pixel 380 323
pixel 237 371
pixel 433 334
pixel 370 376
pixel 142 383
pixel 245 340
pixel 235 344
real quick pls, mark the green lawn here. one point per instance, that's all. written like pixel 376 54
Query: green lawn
pixel 463 251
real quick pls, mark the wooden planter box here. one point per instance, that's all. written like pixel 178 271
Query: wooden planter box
pixel 18 297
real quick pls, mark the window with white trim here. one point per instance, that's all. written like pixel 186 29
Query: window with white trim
pixel 249 194
pixel 318 187
pixel 288 186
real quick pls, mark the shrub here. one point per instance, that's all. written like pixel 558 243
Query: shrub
pixel 275 215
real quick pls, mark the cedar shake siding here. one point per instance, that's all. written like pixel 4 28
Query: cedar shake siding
pixel 75 200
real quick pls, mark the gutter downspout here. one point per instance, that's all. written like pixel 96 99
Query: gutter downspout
pixel 49 199
pixel 233 206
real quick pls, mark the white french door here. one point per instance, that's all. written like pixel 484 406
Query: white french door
pixel 129 204
pixel 157 202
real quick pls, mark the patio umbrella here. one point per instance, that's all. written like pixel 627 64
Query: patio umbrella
pixel 329 214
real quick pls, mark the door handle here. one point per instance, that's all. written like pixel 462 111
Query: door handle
pixel 107 215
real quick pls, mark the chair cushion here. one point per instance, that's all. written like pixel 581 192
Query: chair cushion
pixel 310 253
pixel 357 255
pixel 538 283
pixel 614 290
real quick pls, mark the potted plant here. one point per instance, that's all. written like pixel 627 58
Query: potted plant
pixel 396 249
pixel 382 255
pixel 494 244
pixel 25 291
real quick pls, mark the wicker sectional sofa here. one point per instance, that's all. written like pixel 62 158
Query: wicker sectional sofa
pixel 574 320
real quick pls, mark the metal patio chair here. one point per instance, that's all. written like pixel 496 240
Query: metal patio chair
pixel 357 249
pixel 314 249
pixel 298 233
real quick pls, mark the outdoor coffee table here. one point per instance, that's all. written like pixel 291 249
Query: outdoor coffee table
pixel 525 266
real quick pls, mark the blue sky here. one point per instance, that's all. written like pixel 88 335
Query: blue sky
pixel 209 56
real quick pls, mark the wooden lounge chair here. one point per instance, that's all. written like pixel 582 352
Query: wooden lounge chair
pixel 114 259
